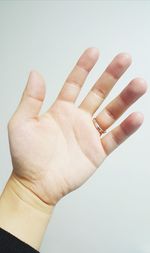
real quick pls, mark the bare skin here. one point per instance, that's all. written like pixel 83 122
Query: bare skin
pixel 56 152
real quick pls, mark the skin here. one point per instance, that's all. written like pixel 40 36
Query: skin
pixel 55 152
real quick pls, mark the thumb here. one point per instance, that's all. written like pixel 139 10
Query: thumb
pixel 33 96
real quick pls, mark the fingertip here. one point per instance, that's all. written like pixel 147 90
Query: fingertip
pixel 132 123
pixel 134 90
pixel 88 58
pixel 119 65
pixel 124 58
pixel 93 52
pixel 36 75
pixel 126 55
pixel 137 118
pixel 142 84
pixel 36 85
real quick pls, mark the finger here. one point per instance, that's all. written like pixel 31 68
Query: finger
pixel 120 133
pixel 105 83
pixel 78 75
pixel 33 96
pixel 134 90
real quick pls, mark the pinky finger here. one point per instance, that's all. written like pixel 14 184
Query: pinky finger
pixel 120 133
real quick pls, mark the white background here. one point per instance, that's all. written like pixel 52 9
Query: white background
pixel 111 212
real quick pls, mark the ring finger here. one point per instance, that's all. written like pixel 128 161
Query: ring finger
pixel 134 90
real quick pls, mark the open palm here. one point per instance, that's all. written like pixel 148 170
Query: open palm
pixel 56 152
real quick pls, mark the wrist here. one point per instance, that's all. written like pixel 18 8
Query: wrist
pixel 23 214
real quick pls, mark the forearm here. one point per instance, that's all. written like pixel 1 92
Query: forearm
pixel 23 214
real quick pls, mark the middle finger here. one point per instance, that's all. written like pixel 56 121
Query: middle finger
pixel 105 83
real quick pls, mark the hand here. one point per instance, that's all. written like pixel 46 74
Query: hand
pixel 56 152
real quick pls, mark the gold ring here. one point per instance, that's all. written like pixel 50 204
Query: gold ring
pixel 100 130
